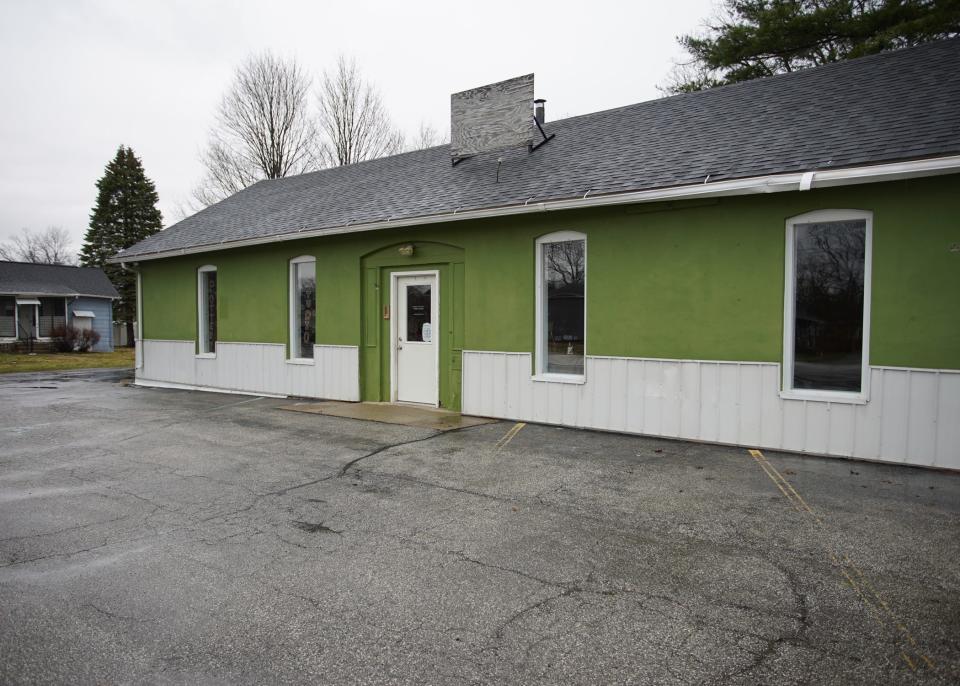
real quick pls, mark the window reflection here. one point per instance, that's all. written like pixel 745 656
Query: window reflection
pixel 305 280
pixel 830 260
pixel 208 283
pixel 564 268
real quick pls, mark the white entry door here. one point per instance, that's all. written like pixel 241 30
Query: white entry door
pixel 416 341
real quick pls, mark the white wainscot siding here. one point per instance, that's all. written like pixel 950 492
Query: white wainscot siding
pixel 913 416
pixel 253 368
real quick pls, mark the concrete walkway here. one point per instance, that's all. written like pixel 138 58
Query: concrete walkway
pixel 392 413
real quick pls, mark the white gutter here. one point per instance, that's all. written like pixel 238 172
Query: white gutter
pixel 45 294
pixel 776 183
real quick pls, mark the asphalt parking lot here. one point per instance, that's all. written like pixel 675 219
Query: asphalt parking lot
pixel 161 536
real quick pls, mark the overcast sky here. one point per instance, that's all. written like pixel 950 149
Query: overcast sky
pixel 81 77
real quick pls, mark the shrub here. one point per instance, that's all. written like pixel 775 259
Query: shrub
pixel 68 339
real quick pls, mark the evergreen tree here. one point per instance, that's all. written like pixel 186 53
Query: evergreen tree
pixel 755 38
pixel 126 213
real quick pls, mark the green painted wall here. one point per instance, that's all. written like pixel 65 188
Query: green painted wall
pixel 697 280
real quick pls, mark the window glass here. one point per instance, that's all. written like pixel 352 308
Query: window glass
pixel 418 314
pixel 830 259
pixel 564 281
pixel 208 284
pixel 52 316
pixel 305 307
pixel 8 327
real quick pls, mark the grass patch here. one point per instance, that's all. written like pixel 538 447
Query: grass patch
pixel 49 362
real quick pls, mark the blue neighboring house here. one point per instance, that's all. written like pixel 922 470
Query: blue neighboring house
pixel 36 299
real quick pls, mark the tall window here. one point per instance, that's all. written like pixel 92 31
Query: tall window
pixel 827 305
pixel 561 304
pixel 303 307
pixel 207 309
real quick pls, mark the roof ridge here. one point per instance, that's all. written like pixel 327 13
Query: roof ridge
pixel 353 164
pixel 48 264
pixel 884 54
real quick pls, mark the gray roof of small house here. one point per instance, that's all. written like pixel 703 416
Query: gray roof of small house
pixel 899 105
pixel 24 278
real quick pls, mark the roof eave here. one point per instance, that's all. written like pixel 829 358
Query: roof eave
pixel 754 185
pixel 59 294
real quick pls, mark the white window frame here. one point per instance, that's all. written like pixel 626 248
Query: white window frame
pixel 202 312
pixel 292 309
pixel 787 390
pixel 540 373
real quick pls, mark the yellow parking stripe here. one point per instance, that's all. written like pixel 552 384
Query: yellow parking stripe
pixel 509 435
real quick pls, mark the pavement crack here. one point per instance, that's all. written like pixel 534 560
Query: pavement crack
pixel 352 463
pixel 531 607
pixel 114 615
pixel 794 637
pixel 315 527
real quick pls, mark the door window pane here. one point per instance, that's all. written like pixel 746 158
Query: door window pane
pixel 830 259
pixel 564 268
pixel 208 318
pixel 419 326
pixel 305 307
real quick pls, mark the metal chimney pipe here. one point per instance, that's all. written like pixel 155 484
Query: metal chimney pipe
pixel 539 110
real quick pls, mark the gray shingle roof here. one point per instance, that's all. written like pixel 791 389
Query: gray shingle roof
pixel 22 278
pixel 892 106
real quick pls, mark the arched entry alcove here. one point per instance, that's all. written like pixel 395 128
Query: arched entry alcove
pixel 434 273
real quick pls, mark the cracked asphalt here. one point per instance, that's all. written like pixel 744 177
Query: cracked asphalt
pixel 161 536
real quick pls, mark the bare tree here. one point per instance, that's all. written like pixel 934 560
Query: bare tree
pixel 353 118
pixel 51 246
pixel 264 129
pixel 426 137
pixel 565 263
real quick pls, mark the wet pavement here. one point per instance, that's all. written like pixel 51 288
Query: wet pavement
pixel 161 536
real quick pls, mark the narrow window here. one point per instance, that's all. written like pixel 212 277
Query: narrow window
pixel 303 307
pixel 826 332
pixel 561 304
pixel 207 308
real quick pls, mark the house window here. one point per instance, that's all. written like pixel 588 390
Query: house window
pixel 8 317
pixel 53 313
pixel 207 309
pixel 561 306
pixel 827 306
pixel 303 307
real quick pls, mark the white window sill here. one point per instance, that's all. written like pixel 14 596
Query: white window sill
pixel 206 356
pixel 826 397
pixel 561 378
pixel 302 360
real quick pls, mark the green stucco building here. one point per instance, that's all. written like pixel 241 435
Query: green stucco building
pixel 772 264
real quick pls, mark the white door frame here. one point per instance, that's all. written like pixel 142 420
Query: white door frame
pixel 36 321
pixel 434 305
